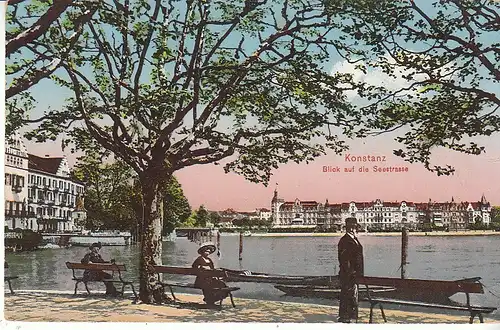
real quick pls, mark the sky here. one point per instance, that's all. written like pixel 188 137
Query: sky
pixel 208 185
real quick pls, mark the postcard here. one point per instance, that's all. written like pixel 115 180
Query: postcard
pixel 253 163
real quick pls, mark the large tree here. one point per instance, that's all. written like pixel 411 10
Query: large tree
pixel 30 24
pixel 168 84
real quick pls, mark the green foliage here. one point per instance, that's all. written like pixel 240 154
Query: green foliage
pixel 495 214
pixel 191 221
pixel 215 218
pixel 114 200
pixel 109 192
pixel 176 206
pixel 202 217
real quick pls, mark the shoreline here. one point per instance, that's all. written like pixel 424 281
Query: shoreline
pixel 434 233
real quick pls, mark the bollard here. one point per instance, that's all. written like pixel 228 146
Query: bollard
pixel 404 251
pixel 241 246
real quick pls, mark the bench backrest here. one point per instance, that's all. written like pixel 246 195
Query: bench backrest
pixel 161 269
pixel 467 286
pixel 95 266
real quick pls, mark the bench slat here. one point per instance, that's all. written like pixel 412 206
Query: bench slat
pixel 96 266
pixel 191 285
pixel 189 271
pixel 428 285
pixel 439 306
pixel 10 277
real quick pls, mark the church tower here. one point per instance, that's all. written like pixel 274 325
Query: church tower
pixel 276 202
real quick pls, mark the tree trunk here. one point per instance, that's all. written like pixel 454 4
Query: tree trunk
pixel 151 244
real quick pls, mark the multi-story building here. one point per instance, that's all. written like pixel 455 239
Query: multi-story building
pixel 39 191
pixel 379 214
pixel 15 188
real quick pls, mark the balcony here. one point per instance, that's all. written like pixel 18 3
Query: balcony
pixel 17 189
pixel 16 213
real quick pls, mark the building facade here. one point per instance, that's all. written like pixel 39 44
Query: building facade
pixel 379 215
pixel 15 187
pixel 39 192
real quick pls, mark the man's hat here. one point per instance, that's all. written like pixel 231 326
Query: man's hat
pixel 207 246
pixel 98 244
pixel 351 221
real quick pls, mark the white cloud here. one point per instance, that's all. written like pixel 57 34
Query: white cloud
pixel 377 77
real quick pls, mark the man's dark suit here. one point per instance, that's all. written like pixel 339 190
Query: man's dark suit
pixel 351 265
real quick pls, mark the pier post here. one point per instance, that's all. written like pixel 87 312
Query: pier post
pixel 241 246
pixel 218 244
pixel 404 251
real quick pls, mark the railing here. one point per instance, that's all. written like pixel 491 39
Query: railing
pixel 17 213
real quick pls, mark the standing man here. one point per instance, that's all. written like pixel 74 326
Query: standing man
pixel 351 266
pixel 93 257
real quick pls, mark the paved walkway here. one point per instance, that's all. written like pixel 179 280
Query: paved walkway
pixel 58 306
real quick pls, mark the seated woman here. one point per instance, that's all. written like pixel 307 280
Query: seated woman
pixel 208 283
pixel 93 257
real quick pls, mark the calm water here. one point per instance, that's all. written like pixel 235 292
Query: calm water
pixel 446 258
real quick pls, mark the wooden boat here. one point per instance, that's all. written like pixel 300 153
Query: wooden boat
pixel 414 290
pixel 325 292
pixel 248 276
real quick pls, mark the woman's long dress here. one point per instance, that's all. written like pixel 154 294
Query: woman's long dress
pixel 209 283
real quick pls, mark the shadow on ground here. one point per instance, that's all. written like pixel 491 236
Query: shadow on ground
pixel 46 306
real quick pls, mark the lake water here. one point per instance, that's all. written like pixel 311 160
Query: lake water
pixel 431 257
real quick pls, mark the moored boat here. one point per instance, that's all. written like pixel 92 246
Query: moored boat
pixel 325 292
pixel 248 276
pixel 382 288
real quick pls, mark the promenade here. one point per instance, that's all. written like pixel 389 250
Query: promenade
pixel 62 306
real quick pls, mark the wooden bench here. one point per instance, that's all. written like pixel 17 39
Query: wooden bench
pixel 110 267
pixel 186 271
pixel 9 278
pixel 430 287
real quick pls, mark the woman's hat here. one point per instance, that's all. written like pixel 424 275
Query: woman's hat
pixel 207 246
pixel 98 244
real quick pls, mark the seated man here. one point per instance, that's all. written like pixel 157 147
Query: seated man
pixel 98 275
